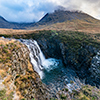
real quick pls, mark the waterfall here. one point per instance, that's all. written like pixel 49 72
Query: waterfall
pixel 37 58
pixel 52 72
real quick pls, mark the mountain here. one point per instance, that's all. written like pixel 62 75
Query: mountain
pixel 68 20
pixel 6 24
pixel 62 16
pixel 59 20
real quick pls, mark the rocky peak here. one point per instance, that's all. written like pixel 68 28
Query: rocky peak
pixel 61 15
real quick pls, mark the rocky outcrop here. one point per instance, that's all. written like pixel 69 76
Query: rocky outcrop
pixel 50 47
pixel 79 60
pixel 20 73
pixel 84 62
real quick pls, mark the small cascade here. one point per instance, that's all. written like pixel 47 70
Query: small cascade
pixel 38 60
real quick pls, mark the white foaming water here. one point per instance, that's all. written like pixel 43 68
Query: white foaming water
pixel 50 64
pixel 38 59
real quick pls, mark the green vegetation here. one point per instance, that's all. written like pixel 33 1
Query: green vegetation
pixel 4 96
pixel 23 99
pixel 66 89
pixel 5 54
pixel 76 39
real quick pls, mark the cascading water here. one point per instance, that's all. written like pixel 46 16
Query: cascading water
pixel 51 71
pixel 38 59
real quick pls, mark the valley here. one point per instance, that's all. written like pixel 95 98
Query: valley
pixel 63 46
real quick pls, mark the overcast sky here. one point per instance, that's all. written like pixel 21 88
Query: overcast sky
pixel 34 10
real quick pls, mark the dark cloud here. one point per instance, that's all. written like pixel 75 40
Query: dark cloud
pixel 92 1
pixel 91 7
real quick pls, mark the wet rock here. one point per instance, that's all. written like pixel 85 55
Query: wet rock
pixel 95 68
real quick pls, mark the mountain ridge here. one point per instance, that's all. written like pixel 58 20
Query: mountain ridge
pixel 52 19
pixel 68 20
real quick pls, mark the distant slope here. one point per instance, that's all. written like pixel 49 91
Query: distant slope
pixel 12 25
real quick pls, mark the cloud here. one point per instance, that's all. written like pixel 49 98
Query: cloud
pixel 25 10
pixel 34 10
pixel 91 7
